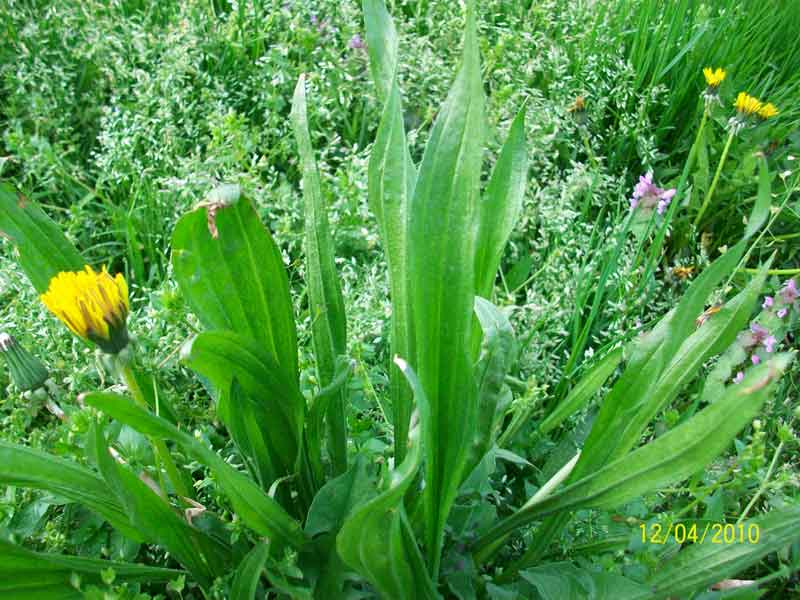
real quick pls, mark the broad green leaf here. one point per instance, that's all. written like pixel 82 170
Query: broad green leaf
pixel 392 177
pixel 671 457
pixel 231 273
pixel 43 249
pixel 376 539
pixel 25 467
pixel 248 573
pixel 332 505
pixel 583 391
pixel 442 231
pixel 253 506
pixel 761 207
pixel 499 349
pixel 328 324
pixel 337 499
pixel 28 575
pixel 558 581
pixel 205 557
pixel 500 206
pixel 268 415
pixel 699 565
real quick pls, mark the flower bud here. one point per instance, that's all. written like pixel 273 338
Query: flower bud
pixel 27 371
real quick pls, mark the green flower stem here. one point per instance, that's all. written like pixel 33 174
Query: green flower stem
pixel 774 271
pixel 763 485
pixel 162 452
pixel 714 181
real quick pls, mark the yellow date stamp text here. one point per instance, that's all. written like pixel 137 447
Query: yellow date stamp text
pixel 715 533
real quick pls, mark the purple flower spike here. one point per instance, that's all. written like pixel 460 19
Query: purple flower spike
pixel 356 43
pixel 769 343
pixel 755 359
pixel 768 301
pixel 648 195
pixel 782 312
pixel 759 332
pixel 739 377
pixel 789 293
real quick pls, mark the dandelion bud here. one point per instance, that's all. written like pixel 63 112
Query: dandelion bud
pixel 27 372
pixel 713 77
pixel 94 306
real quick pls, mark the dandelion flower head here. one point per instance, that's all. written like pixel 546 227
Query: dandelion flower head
pixel 94 306
pixel 714 77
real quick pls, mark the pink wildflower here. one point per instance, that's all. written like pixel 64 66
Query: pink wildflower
pixel 649 195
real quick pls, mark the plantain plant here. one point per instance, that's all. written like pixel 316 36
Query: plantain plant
pixel 317 521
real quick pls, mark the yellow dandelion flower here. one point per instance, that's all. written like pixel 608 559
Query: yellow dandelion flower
pixel 714 77
pixel 93 305
pixel 747 105
pixel 768 110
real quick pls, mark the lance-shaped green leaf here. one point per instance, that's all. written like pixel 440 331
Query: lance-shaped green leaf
pixel 248 573
pixel 377 540
pixel 231 273
pixel 499 348
pixel 328 325
pixel 700 565
pixel 557 581
pixel 391 181
pixel 202 555
pixel 500 206
pixel 267 416
pixel 442 230
pixel 672 457
pixel 317 411
pixel 649 356
pixel 583 391
pixel 253 506
pixel 708 340
pixel 28 575
pixel 383 45
pixel 652 354
pixel 43 249
pixel 25 467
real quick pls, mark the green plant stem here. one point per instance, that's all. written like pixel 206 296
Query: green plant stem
pixel 162 452
pixel 763 485
pixel 746 257
pixel 774 271
pixel 714 181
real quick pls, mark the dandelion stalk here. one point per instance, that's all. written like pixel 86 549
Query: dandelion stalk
pixel 124 368
pixel 714 181
pixel 95 306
